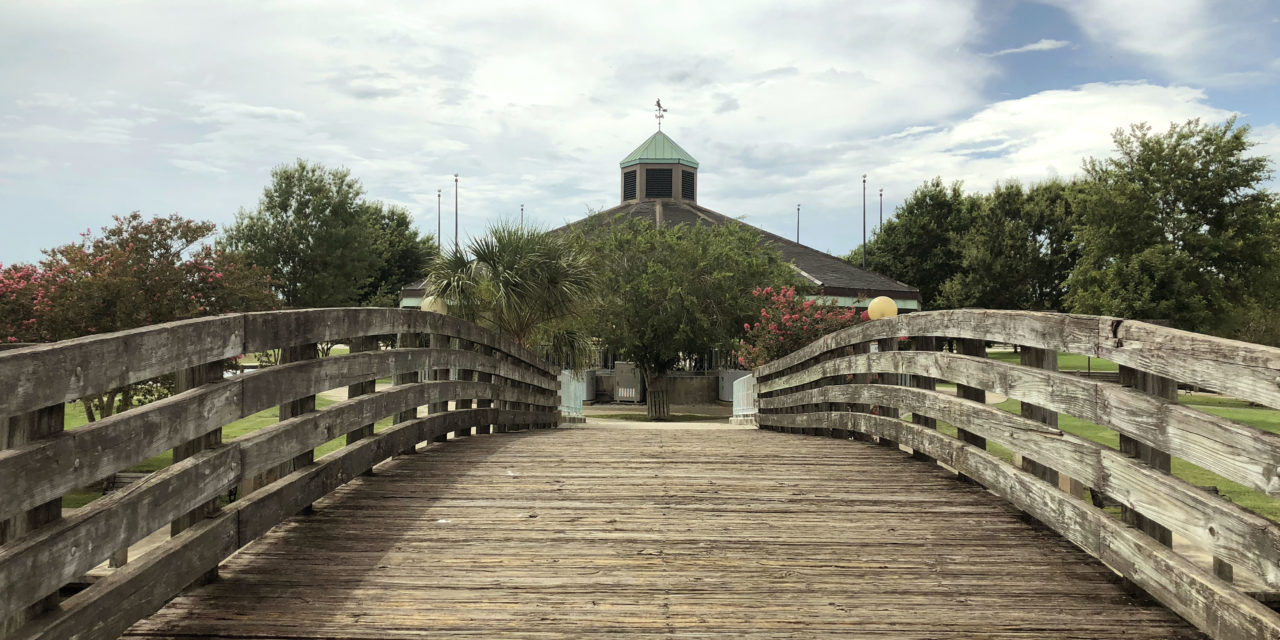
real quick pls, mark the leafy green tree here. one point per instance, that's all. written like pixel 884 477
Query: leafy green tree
pixel 324 244
pixel 135 273
pixel 918 245
pixel 403 255
pixel 665 292
pixel 1015 253
pixel 1177 227
pixel 523 282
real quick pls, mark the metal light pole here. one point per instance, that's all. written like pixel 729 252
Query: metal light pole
pixel 881 227
pixel 864 220
pixel 522 215
pixel 439 239
pixel 455 213
pixel 797 224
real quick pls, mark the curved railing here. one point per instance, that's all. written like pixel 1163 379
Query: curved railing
pixel 856 383
pixel 497 385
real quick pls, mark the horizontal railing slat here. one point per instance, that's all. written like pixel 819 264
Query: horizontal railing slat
pixel 107 608
pixel 49 374
pixel 1238 452
pixel 1230 531
pixel 1207 602
pixel 1239 369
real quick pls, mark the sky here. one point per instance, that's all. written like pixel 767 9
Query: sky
pixel 185 107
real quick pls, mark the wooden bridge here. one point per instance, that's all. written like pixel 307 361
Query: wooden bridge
pixel 468 516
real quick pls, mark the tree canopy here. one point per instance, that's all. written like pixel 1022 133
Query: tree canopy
pixel 135 273
pixel 523 282
pixel 1177 227
pixel 324 244
pixel 671 291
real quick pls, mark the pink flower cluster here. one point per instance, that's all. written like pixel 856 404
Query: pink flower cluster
pixel 787 323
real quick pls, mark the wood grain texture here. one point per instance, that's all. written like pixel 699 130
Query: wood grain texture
pixel 1236 451
pixel 1239 369
pixel 44 375
pixel 642 533
pixel 1230 531
pixel 1212 605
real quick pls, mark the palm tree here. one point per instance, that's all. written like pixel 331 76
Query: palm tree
pixel 523 283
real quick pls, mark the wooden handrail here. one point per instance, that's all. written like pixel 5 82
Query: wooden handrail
pixel 273 468
pixel 827 388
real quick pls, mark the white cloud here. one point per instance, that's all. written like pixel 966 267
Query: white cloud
pixel 1187 40
pixel 1043 44
pixel 166 108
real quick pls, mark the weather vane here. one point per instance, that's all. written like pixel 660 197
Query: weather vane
pixel 659 115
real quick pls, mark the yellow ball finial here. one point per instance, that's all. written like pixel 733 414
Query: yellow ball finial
pixel 882 307
pixel 432 303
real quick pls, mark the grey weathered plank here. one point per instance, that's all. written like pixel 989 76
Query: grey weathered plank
pixel 1210 604
pixel 64 371
pixel 1239 369
pixel 59 554
pixel 1040 359
pixel 1229 531
pixel 42 471
pixel 1236 451
pixel 108 607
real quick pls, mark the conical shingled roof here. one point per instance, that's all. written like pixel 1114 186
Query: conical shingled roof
pixel 659 149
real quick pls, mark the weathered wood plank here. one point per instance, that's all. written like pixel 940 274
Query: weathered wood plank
pixel 1166 389
pixel 37 425
pixel 360 345
pixel 671 533
pixel 977 349
pixel 72 369
pixel 1235 368
pixel 1210 604
pixel 1227 530
pixel 41 471
pixel 60 553
pixel 1040 359
pixel 1236 451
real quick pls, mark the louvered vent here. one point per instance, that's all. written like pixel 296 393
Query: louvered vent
pixel 686 186
pixel 657 183
pixel 629 186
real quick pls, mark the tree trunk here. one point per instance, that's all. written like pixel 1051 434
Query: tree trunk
pixel 656 398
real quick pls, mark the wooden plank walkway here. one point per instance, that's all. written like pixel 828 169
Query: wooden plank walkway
pixel 589 532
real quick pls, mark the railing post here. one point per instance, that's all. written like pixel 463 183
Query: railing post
pixel 305 404
pixel 977 348
pixel 189 379
pixel 1040 359
pixel 464 375
pixel 361 344
pixel 487 378
pixel 440 342
pixel 861 379
pixel 1161 387
pixel 407 341
pixel 14 432
pixel 887 345
pixel 923 343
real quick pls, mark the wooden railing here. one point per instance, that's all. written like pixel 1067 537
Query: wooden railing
pixel 838 387
pixel 499 386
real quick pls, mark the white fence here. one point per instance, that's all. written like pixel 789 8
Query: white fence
pixel 573 390
pixel 744 400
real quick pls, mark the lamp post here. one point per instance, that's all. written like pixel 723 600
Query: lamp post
pixel 864 220
pixel 881 226
pixel 455 213
pixel 797 224
pixel 439 240
pixel 522 216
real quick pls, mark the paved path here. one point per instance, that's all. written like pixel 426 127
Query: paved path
pixel 640 532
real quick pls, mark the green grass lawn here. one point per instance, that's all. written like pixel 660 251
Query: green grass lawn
pixel 1231 408
pixel 1066 361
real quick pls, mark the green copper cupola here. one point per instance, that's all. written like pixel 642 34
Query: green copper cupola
pixel 659 170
